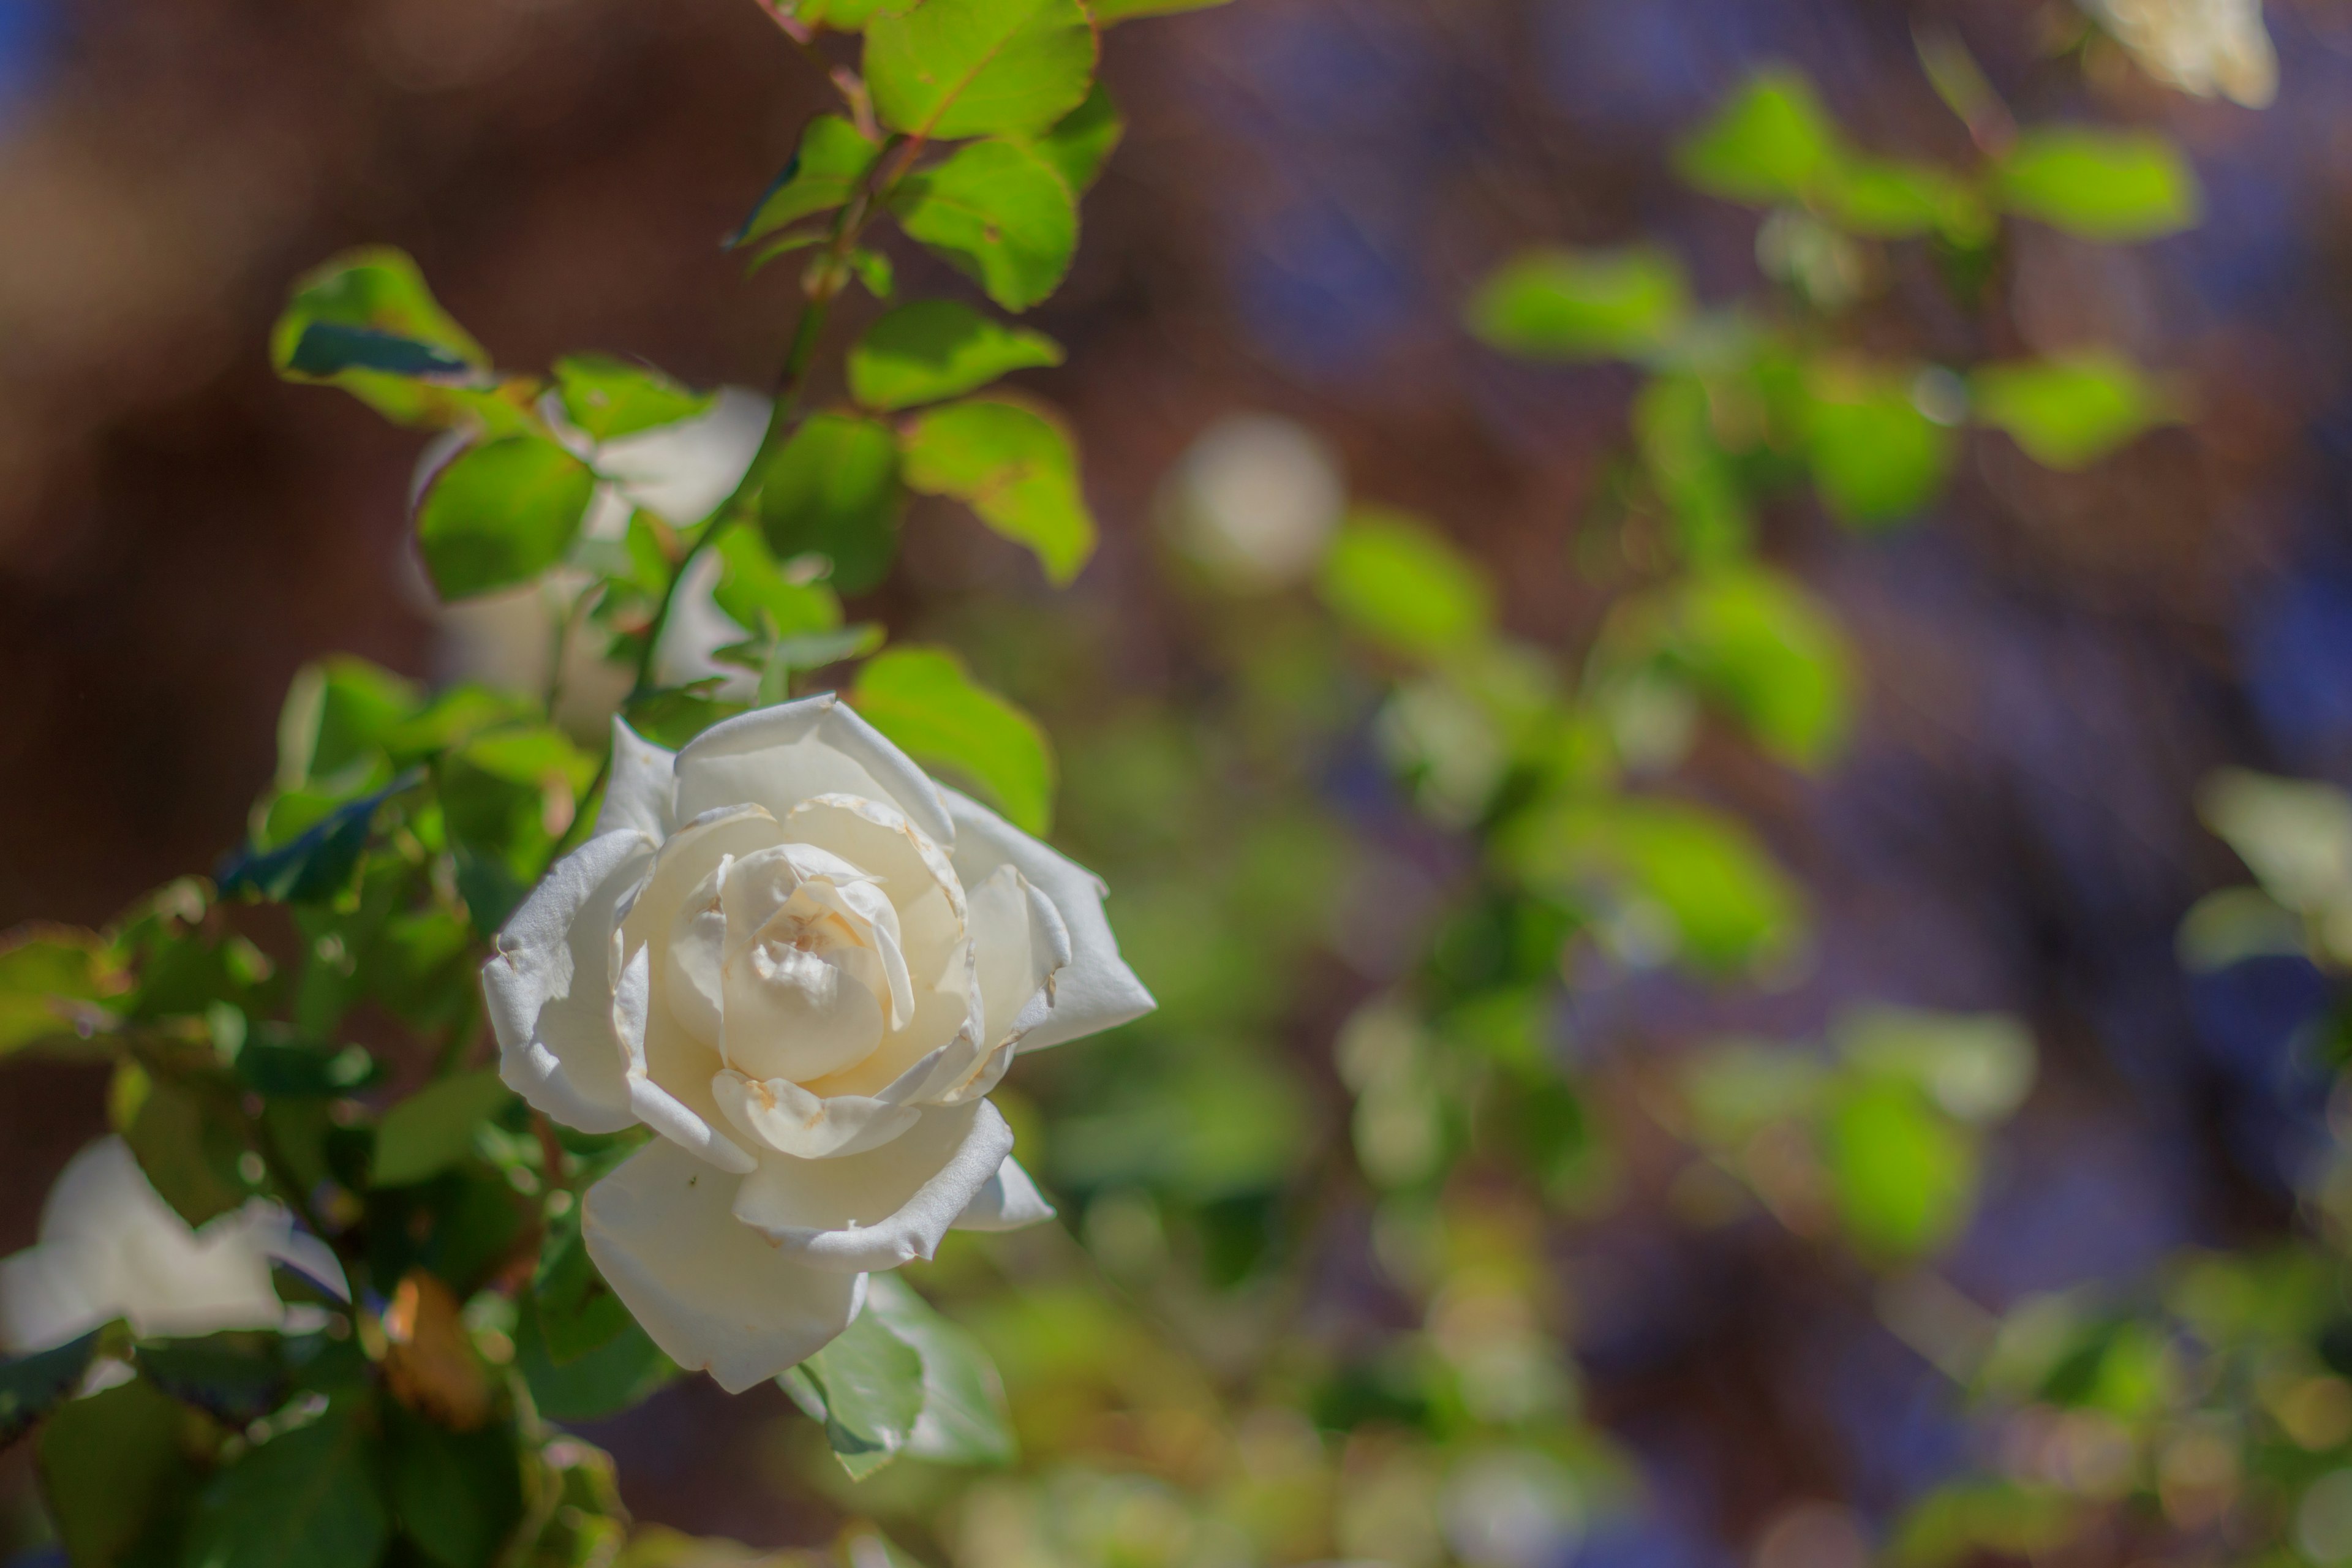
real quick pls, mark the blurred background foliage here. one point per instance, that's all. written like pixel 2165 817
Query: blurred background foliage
pixel 1714 696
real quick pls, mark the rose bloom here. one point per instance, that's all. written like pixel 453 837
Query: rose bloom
pixel 803 964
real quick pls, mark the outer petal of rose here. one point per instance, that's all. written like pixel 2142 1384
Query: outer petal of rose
pixel 710 1290
pixel 53 1292
pixel 640 789
pixel 882 1208
pixel 674 1103
pixel 1097 991
pixel 550 984
pixel 780 756
pixel 1008 1201
pixel 1020 945
pixel 779 1116
pixel 696 630
pixel 683 471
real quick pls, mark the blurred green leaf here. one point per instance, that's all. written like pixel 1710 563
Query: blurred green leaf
pixel 44 971
pixel 366 321
pixel 1674 428
pixel 1770 142
pixel 316 864
pixel 1877 456
pixel 832 489
pixel 924 698
pixel 578 1311
pixel 307 1498
pixel 2232 924
pixel 1015 467
pixel 1903 1177
pixel 2112 186
pixel 236 1377
pixel 434 1129
pixel 824 172
pixel 674 715
pixel 457 1495
pixel 758 593
pixel 1736 1088
pixel 501 513
pixel 337 716
pixel 2294 836
pixel 33 1386
pixel 843 15
pixel 869 1383
pixel 1976 1067
pixel 1082 140
pixel 1755 640
pixel 610 398
pixel 964 1419
pixel 1886 198
pixel 2068 413
pixel 119 1474
pixel 1106 12
pixel 1573 305
pixel 938 349
pixel 951 69
pixel 1000 211
pixel 617 1376
pixel 1956 1522
pixel 1398 582
pixel 184 1136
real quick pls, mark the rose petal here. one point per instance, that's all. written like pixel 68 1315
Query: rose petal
pixel 876 837
pixel 643 783
pixel 883 1207
pixel 940 1045
pixel 1009 1201
pixel 670 1072
pixel 683 471
pixel 1019 944
pixel 1097 991
pixel 780 756
pixel 779 1115
pixel 712 1293
pixel 549 981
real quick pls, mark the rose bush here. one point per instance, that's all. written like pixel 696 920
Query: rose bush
pixel 803 964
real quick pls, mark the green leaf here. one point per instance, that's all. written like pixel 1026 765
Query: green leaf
pixel 610 398
pixel 434 1129
pixel 1015 469
pixel 1875 456
pixel 937 349
pixel 305 1499
pixel 1109 11
pixel 842 16
pixel 317 863
pixel 678 715
pixel 578 1311
pixel 2070 413
pixel 1396 581
pixel 1976 1067
pixel 964 1419
pixel 2112 185
pixel 615 1376
pixel 832 489
pixel 1903 1177
pixel 1772 142
pixel 952 68
pixel 237 1377
pixel 1674 428
pixel 302 1069
pixel 366 321
pixel 184 1135
pixel 759 593
pixel 1573 305
pixel 833 158
pixel 1887 199
pixel 457 1495
pixel 1081 141
pixel 871 1384
pixel 45 970
pixel 1753 639
pixel 33 1386
pixel 501 513
pixel 337 717
pixel 999 211
pixel 2295 836
pixel 2230 925
pixel 119 1475
pixel 924 698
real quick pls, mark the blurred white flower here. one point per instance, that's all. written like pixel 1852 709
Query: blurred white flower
pixel 2201 47
pixel 1254 501
pixel 112 1248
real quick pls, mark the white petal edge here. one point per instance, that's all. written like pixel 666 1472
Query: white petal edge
pixel 550 986
pixel 712 1293
pixel 641 787
pixel 1097 991
pixel 882 1208
pixel 1010 1201
pixel 779 1115
pixel 690 1128
pixel 780 756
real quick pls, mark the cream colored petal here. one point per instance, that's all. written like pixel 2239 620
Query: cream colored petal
pixel 687 857
pixel 711 1291
pixel 550 984
pixel 696 630
pixel 669 1073
pixel 780 1117
pixel 694 956
pixel 937 1047
pixel 778 757
pixel 642 784
pixel 883 1207
pixel 1019 946
pixel 814 977
pixel 876 838
pixel 1008 1201
pixel 683 471
pixel 54 1292
pixel 1097 991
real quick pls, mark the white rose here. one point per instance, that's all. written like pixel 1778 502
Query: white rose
pixel 112 1248
pixel 803 964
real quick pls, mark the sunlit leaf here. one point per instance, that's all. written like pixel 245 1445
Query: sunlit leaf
pixel 924 698
pixel 1976 1067
pixel 869 1385
pixel 1015 467
pixel 2112 185
pixel 1876 457
pixel 947 69
pixel 823 175
pixel 1756 641
pixel 366 321
pixel 1888 198
pixel 1770 142
pixel 843 15
pixel 2071 412
pixel 1674 430
pixel 1082 140
pixel 1000 211
pixel 610 398
pixel 760 595
pixel 964 1419
pixel 500 513
pixel 2295 835
pixel 1903 1177
pixel 1582 304
pixel 937 349
pixel 1401 583
pixel 44 969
